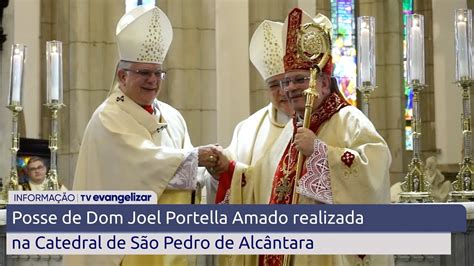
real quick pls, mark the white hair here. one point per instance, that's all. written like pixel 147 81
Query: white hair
pixel 124 64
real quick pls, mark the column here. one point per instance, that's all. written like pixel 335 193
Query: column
pixel 232 66
pixel 27 31
pixel 447 98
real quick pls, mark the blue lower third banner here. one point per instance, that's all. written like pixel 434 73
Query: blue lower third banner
pixel 127 228
pixel 227 243
pixel 237 218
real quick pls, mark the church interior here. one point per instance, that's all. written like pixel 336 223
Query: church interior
pixel 211 81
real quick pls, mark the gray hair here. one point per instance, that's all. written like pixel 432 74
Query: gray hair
pixel 124 64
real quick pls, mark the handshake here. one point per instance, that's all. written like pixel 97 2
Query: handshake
pixel 213 158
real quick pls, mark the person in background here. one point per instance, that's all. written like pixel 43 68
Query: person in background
pixel 254 136
pixel 36 171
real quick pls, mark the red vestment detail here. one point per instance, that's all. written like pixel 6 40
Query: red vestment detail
pixel 148 108
pixel 287 165
pixel 225 180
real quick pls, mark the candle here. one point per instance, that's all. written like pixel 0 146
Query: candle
pixel 54 66
pixel 472 57
pixel 364 55
pixel 462 49
pixel 17 71
pixel 54 91
pixel 416 53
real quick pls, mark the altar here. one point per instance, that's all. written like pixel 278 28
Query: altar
pixel 22 260
pixel 462 247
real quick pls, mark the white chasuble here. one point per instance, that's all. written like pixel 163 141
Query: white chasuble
pixel 126 148
pixel 358 162
pixel 252 138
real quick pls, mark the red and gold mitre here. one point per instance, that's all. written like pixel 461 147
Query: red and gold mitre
pixel 292 41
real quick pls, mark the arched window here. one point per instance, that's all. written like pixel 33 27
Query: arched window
pixel 407 10
pixel 130 4
pixel 344 47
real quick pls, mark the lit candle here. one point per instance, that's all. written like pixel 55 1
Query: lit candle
pixel 462 49
pixel 54 92
pixel 364 55
pixel 416 52
pixel 17 71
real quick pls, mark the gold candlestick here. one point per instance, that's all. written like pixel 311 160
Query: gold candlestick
pixel 54 83
pixel 52 177
pixel 18 56
pixel 366 89
pixel 415 188
pixel 463 186
pixel 13 183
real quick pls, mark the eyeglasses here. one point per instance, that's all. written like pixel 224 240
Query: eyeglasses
pixel 39 167
pixel 274 85
pixel 298 80
pixel 147 73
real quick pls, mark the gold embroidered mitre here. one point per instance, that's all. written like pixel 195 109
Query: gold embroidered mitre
pixel 144 35
pixel 266 51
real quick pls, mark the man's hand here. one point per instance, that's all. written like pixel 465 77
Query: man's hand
pixel 304 141
pixel 213 158
pixel 207 156
pixel 222 162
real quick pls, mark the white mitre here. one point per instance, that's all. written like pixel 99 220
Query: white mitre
pixel 144 35
pixel 266 52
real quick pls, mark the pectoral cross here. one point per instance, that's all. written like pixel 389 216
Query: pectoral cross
pixel 284 188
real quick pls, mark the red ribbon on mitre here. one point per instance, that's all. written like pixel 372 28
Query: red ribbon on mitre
pixel 291 59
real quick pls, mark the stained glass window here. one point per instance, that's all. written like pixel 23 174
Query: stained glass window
pixel 130 4
pixel 344 47
pixel 407 10
pixel 21 162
